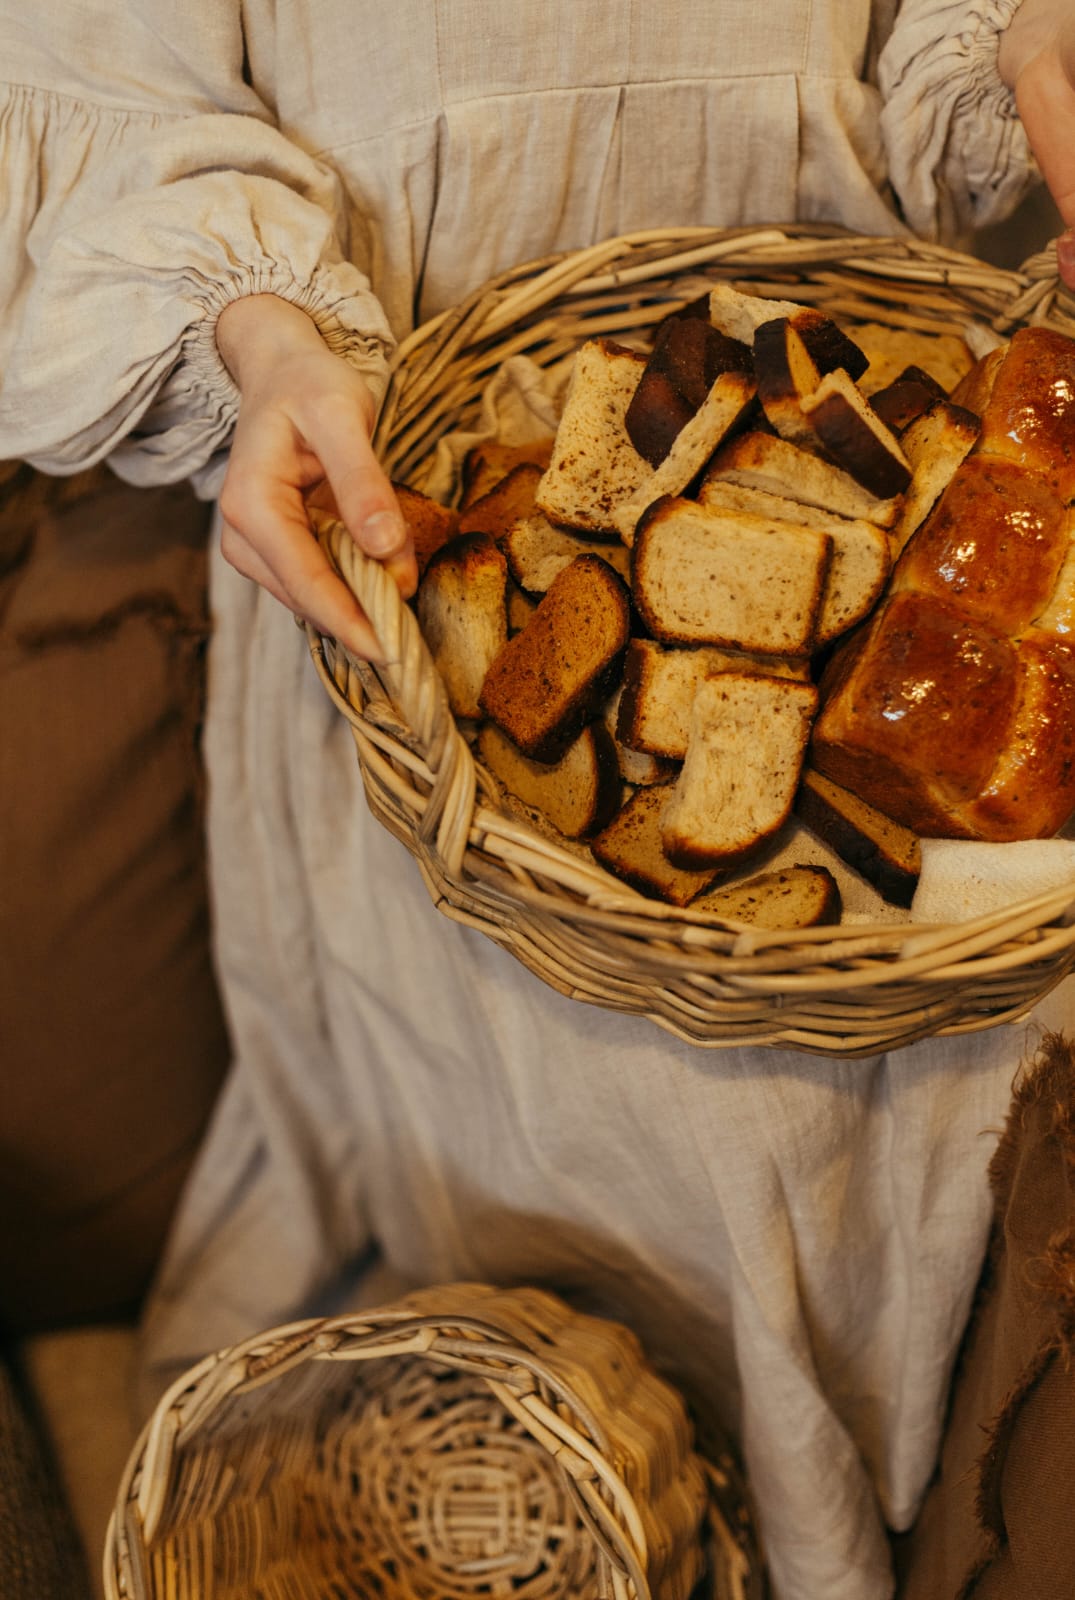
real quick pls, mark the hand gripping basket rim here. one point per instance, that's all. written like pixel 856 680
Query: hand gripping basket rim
pixel 461 1417
pixel 851 990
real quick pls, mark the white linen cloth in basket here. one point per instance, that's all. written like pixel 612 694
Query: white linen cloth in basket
pixel 796 1239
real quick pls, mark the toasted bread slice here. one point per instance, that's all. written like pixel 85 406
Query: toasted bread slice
pixel 630 848
pixel 861 552
pixel 431 525
pixel 910 392
pixel 741 315
pixel 577 794
pixel 788 897
pixel 462 612
pixel 703 575
pixel 855 437
pixel 636 766
pixel 687 358
pixel 594 467
pixel 786 374
pixel 552 678
pixel 715 418
pixel 764 461
pixel 487 463
pixel 884 852
pixel 935 444
pixel 745 751
pixel 660 683
pixel 505 502
pixel 537 551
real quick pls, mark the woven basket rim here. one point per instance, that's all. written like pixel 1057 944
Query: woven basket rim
pixel 534 1376
pixel 482 866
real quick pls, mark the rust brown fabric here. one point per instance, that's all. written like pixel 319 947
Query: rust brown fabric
pixel 112 1043
pixel 999 1520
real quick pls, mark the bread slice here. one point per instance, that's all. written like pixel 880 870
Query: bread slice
pixel 861 552
pixel 630 848
pixel 594 467
pixel 687 358
pixel 717 416
pixel 740 315
pixel 462 612
pixel 764 461
pixel 552 678
pixel 855 437
pixel 703 575
pixel 910 392
pixel 636 766
pixel 659 686
pixel 577 794
pixel 935 444
pixel 487 462
pixel 431 525
pixel 505 502
pixel 786 374
pixel 789 897
pixel 884 852
pixel 747 742
pixel 537 550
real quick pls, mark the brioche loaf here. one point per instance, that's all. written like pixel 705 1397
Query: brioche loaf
pixel 953 709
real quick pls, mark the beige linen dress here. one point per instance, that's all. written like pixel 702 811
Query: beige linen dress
pixel 796 1239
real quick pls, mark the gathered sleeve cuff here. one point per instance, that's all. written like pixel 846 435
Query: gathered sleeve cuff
pixel 958 156
pixel 136 231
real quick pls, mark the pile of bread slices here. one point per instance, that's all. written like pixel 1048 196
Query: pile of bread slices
pixel 634 619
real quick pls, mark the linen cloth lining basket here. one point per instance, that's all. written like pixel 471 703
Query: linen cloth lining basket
pixel 850 990
pixel 464 1442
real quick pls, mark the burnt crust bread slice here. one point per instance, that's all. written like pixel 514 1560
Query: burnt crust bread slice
pixel 879 849
pixel 687 358
pixel 854 436
pixel 764 461
pixel 553 677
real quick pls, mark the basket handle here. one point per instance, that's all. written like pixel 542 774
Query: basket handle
pixel 413 685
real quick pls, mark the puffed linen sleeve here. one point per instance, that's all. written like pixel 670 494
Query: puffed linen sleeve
pixel 958 156
pixel 146 188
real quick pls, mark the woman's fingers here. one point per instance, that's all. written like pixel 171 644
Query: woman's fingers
pixel 365 500
pixel 1037 60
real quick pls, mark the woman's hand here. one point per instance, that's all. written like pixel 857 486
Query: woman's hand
pixel 1037 61
pixel 303 433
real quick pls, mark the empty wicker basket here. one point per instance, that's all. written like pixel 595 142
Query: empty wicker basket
pixel 464 1442
pixel 845 990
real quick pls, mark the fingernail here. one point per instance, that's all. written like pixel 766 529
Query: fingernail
pixel 382 533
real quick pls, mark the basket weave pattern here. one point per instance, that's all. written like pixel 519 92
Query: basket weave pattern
pixel 851 990
pixel 464 1442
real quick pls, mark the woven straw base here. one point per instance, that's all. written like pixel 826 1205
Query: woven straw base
pixel 850 990
pixel 467 1442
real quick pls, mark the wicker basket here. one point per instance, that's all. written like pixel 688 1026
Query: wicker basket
pixel 850 990
pixel 464 1442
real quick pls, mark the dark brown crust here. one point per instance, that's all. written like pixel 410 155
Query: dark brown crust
pixel 830 909
pixel 854 446
pixel 912 392
pixel 611 847
pixel 512 497
pixel 822 806
pixel 431 525
pixel 828 346
pixel 688 357
pixel 546 683
pixel 607 791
